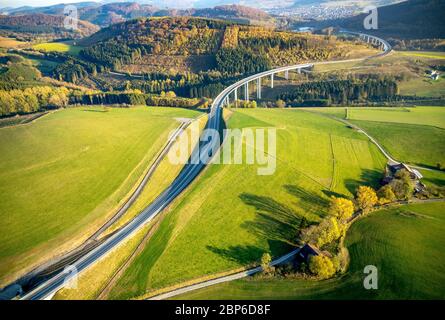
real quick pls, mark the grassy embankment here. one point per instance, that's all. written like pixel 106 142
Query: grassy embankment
pixel 232 216
pixel 62 176
pixel 404 243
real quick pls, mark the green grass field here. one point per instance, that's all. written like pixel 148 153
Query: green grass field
pixel 58 47
pixel 412 135
pixel 232 216
pixel 61 176
pixel 404 243
pixel 424 54
pixel 431 116
pixel 416 144
pixel 423 86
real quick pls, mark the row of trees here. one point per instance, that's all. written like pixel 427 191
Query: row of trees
pixel 44 97
pixel 343 91
pixel 32 99
pixel 333 228
pixel 135 97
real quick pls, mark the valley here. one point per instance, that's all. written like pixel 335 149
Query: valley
pixel 110 131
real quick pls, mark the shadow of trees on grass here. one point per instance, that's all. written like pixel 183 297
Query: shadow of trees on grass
pixel 243 255
pixel 275 222
pixel 368 177
pixel 309 201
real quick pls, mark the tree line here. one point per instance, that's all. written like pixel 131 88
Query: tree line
pixel 342 91
pixel 32 99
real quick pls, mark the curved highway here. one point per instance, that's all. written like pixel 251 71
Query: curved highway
pixel 186 176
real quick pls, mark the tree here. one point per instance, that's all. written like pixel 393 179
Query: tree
pixel 321 266
pixel 170 94
pixel 366 198
pixel 280 103
pixel 327 231
pixel 265 263
pixel 341 208
pixel 385 194
pixel 402 185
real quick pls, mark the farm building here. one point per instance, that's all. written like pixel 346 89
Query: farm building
pixel 394 168
pixel 415 175
pixel 305 253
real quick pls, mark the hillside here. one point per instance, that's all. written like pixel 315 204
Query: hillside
pixel 413 19
pixel 43 25
pixel 183 53
pixel 124 43
pixel 236 13
pixel 110 13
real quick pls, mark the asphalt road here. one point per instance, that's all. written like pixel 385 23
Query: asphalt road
pixel 186 176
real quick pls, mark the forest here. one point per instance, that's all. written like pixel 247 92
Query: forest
pixel 234 51
pixel 343 91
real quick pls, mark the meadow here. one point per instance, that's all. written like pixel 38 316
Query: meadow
pixel 404 243
pixel 232 216
pixel 62 176
pixel 66 46
pixel 11 43
pixel 413 135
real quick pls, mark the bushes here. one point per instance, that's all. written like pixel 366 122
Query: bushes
pixel 245 104
pixel 401 185
pixel 321 266
pixel 265 263
pixel 386 195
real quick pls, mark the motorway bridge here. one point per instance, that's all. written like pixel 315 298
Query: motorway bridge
pixel 188 174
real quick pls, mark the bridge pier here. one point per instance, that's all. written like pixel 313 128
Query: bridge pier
pixel 259 88
pixel 246 91
pixel 286 74
pixel 271 80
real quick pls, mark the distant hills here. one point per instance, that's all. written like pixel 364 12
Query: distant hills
pixel 413 19
pixel 106 14
pixel 43 25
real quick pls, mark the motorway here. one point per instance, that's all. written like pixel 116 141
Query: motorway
pixel 186 176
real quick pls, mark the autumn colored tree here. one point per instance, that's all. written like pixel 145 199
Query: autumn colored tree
pixel 341 208
pixel 321 266
pixel 265 263
pixel 366 198
pixel 386 194
pixel 280 103
pixel 327 231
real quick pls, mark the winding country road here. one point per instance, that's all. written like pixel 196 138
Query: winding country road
pixel 186 176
